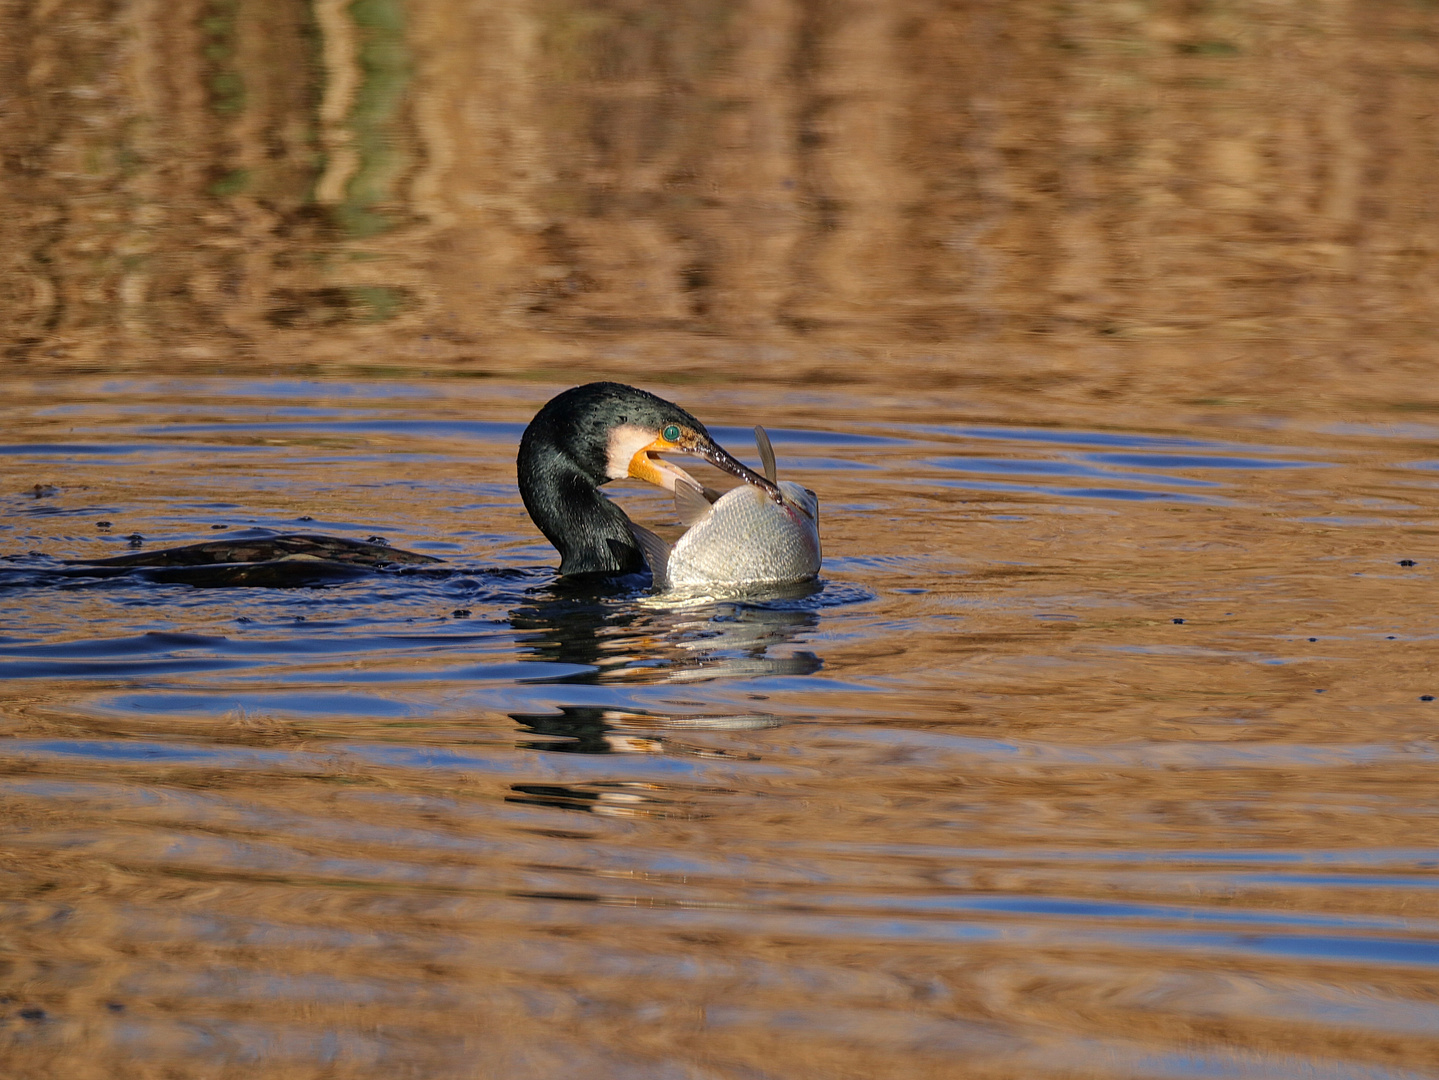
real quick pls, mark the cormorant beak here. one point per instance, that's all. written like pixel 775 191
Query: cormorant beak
pixel 720 458
pixel 647 465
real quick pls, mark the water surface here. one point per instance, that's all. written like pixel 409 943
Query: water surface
pixel 1098 750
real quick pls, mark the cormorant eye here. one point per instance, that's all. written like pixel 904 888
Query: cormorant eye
pixel 671 433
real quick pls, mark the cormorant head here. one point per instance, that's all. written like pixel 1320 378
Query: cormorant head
pixel 611 431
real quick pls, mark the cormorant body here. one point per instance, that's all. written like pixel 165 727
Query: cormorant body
pixel 581 439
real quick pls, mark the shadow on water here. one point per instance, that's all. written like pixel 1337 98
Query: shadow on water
pixel 613 639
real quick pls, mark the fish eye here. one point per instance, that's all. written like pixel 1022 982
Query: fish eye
pixel 671 433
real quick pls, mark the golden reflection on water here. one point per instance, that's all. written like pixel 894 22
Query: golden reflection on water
pixel 1105 334
pixel 1181 200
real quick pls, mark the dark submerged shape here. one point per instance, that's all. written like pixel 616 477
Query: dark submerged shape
pixel 590 435
pixel 271 548
pixel 277 562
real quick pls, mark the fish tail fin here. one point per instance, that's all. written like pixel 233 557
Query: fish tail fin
pixel 691 502
pixel 656 553
pixel 766 454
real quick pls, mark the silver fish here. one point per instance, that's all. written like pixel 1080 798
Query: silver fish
pixel 745 538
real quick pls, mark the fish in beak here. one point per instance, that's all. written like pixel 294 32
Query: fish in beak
pixel 641 449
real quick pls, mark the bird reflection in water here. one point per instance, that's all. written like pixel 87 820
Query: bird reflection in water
pixel 615 641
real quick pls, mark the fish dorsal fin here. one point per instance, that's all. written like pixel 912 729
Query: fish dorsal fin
pixel 766 454
pixel 656 553
pixel 690 502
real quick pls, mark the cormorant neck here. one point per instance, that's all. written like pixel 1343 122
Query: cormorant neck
pixel 591 533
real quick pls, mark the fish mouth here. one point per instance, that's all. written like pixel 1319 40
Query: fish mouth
pixel 649 466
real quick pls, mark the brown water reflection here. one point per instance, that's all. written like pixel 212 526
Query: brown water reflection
pixel 1174 200
pixel 1105 334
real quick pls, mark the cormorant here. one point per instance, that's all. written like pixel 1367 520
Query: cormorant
pixel 581 440
pixel 604 431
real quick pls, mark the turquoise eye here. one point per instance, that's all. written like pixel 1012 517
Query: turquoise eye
pixel 671 434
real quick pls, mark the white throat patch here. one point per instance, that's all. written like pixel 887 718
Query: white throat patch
pixel 626 441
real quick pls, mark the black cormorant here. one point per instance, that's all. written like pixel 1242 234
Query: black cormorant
pixel 596 433
pixel 581 439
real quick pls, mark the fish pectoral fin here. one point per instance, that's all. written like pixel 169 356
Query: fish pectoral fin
pixel 656 553
pixel 766 454
pixel 691 502
pixel 711 495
